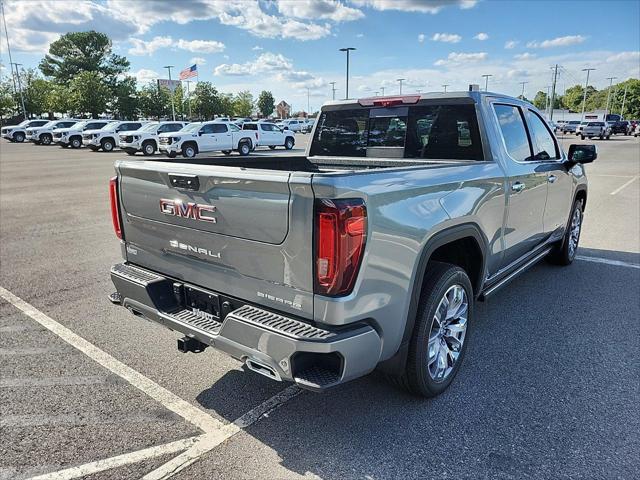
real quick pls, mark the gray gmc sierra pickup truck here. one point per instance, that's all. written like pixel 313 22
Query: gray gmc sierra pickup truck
pixel 367 252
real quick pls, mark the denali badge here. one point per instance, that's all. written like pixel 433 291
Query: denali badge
pixel 193 248
pixel 196 211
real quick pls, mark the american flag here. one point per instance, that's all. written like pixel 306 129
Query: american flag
pixel 189 72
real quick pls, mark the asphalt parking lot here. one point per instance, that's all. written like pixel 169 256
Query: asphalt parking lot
pixel 549 388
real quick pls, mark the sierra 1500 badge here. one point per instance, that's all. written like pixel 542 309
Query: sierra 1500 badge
pixel 195 211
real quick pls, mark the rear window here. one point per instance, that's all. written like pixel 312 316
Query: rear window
pixel 431 132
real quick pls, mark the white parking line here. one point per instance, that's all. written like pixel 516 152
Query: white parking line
pixel 619 189
pixel 118 461
pixel 606 261
pixel 168 400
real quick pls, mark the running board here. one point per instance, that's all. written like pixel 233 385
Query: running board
pixel 525 266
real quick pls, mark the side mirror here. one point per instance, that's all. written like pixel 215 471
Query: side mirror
pixel 286 128
pixel 582 153
pixel 199 133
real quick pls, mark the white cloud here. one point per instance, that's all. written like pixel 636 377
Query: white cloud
pixel 319 9
pixel 201 46
pixel 456 58
pixel 482 36
pixel 421 38
pixel 624 56
pixel 511 44
pixel 145 76
pixel 257 48
pixel 198 61
pixel 524 56
pixel 140 47
pixel 360 35
pixel 422 6
pixel 266 62
pixel 446 37
pixel 558 42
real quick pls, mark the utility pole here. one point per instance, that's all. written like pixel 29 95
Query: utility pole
pixel 445 87
pixel 606 109
pixel 523 84
pixel 333 90
pixel 24 110
pixel 400 80
pixel 347 49
pixel 546 103
pixel 11 61
pixel 308 104
pixel 486 82
pixel 382 88
pixel 586 85
pixel 553 92
pixel 377 93
pixel 173 108
pixel 624 99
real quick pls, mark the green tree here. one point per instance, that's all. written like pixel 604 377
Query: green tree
pixel 77 52
pixel 226 104
pixel 35 90
pixel 179 103
pixel 207 101
pixel 632 100
pixel 540 100
pixel 125 101
pixel 154 102
pixel 89 93
pixel 573 97
pixel 59 99
pixel 266 103
pixel 7 100
pixel 243 104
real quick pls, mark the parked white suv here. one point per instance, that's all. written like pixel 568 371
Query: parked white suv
pixel 44 135
pixel 293 125
pixel 206 137
pixel 106 138
pixel 270 135
pixel 17 133
pixel 145 139
pixel 72 136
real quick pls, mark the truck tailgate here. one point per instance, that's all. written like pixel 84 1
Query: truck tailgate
pixel 222 228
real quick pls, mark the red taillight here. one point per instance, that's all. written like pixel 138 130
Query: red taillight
pixel 115 206
pixel 388 101
pixel 341 231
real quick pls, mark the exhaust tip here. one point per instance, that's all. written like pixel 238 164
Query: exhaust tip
pixel 263 369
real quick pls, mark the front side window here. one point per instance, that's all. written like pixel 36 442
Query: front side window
pixel 514 132
pixel 206 129
pixel 545 147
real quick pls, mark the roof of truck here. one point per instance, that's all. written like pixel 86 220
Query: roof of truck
pixel 416 97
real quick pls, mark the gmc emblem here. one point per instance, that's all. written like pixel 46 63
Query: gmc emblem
pixel 195 211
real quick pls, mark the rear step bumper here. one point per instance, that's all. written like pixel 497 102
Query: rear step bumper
pixel 274 345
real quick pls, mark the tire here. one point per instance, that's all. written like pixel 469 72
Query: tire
pixel 272 147
pixel 46 139
pixel 581 137
pixel 226 152
pixel 608 137
pixel 93 147
pixel 148 148
pixel 565 252
pixel 244 148
pixel 130 152
pixel 107 145
pixel 601 137
pixel 189 150
pixel 172 154
pixel 429 374
pixel 288 143
pixel 18 137
pixel 75 142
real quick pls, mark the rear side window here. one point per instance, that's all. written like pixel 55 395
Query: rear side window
pixel 514 132
pixel 66 124
pixel 250 126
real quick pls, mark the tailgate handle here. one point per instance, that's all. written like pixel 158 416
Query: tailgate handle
pixel 186 182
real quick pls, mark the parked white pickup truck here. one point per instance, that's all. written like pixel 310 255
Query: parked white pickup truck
pixel 270 135
pixel 44 135
pixel 106 138
pixel 145 139
pixel 17 133
pixel 72 136
pixel 203 137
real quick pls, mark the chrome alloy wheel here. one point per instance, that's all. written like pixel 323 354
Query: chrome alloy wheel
pixel 447 334
pixel 574 231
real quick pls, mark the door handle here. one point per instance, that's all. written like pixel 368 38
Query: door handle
pixel 518 186
pixel 551 178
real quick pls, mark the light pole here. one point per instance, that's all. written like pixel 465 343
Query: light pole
pixel 584 99
pixel 173 108
pixel 606 109
pixel 347 49
pixel 486 82
pixel 445 87
pixel 400 80
pixel 523 84
pixel 333 90
pixel 382 88
pixel 24 110
pixel 308 103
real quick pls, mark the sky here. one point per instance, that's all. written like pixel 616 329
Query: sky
pixel 289 46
